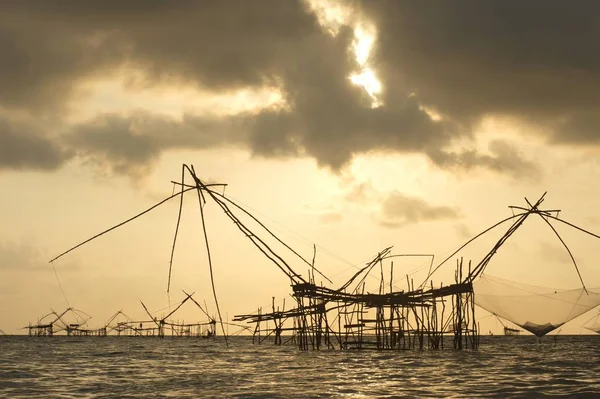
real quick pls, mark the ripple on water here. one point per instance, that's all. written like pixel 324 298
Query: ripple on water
pixel 142 367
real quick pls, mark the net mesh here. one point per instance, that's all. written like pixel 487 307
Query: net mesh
pixel 538 310
pixel 595 329
pixel 593 324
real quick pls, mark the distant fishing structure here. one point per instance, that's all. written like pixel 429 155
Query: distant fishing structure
pixel 353 316
pixel 120 324
pixel 181 328
pixel 54 322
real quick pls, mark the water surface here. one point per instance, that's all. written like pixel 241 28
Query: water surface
pixel 91 367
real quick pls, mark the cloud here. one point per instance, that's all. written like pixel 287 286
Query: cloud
pixel 536 61
pixel 361 193
pixel 23 256
pixel 22 147
pixel 116 141
pixel 463 231
pixel 332 217
pixel 579 128
pixel 221 46
pixel 504 157
pixel 398 210
pixel 395 209
pixel 129 144
pixel 460 60
pixel 224 45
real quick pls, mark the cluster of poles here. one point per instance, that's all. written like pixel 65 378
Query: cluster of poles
pixel 350 318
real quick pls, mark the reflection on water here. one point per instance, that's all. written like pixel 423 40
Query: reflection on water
pixel 147 367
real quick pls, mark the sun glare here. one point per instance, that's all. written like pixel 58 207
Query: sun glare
pixel 364 38
pixel 367 80
pixel 363 43
pixel 334 14
pixel 433 114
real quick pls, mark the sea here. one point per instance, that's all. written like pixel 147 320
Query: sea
pixel 136 367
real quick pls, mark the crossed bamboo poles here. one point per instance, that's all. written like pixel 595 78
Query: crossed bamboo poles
pixel 517 220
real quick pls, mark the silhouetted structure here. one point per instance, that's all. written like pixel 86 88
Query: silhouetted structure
pixel 54 323
pixel 511 331
pixel 348 317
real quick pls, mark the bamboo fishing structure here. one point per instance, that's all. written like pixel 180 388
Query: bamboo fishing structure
pixel 511 331
pixel 418 318
pixel 120 324
pixel 427 316
pixel 352 319
pixel 178 328
pixel 53 323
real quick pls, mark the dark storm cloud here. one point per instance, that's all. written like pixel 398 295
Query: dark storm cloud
pixel 467 60
pixel 21 147
pixel 399 210
pixel 538 60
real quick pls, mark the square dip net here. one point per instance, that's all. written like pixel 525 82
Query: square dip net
pixel 593 324
pixel 538 310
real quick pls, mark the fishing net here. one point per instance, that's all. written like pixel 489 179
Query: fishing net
pixel 538 310
pixel 595 328
pixel 593 324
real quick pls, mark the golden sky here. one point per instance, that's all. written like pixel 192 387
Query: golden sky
pixel 352 125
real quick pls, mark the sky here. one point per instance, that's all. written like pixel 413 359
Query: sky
pixel 352 125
